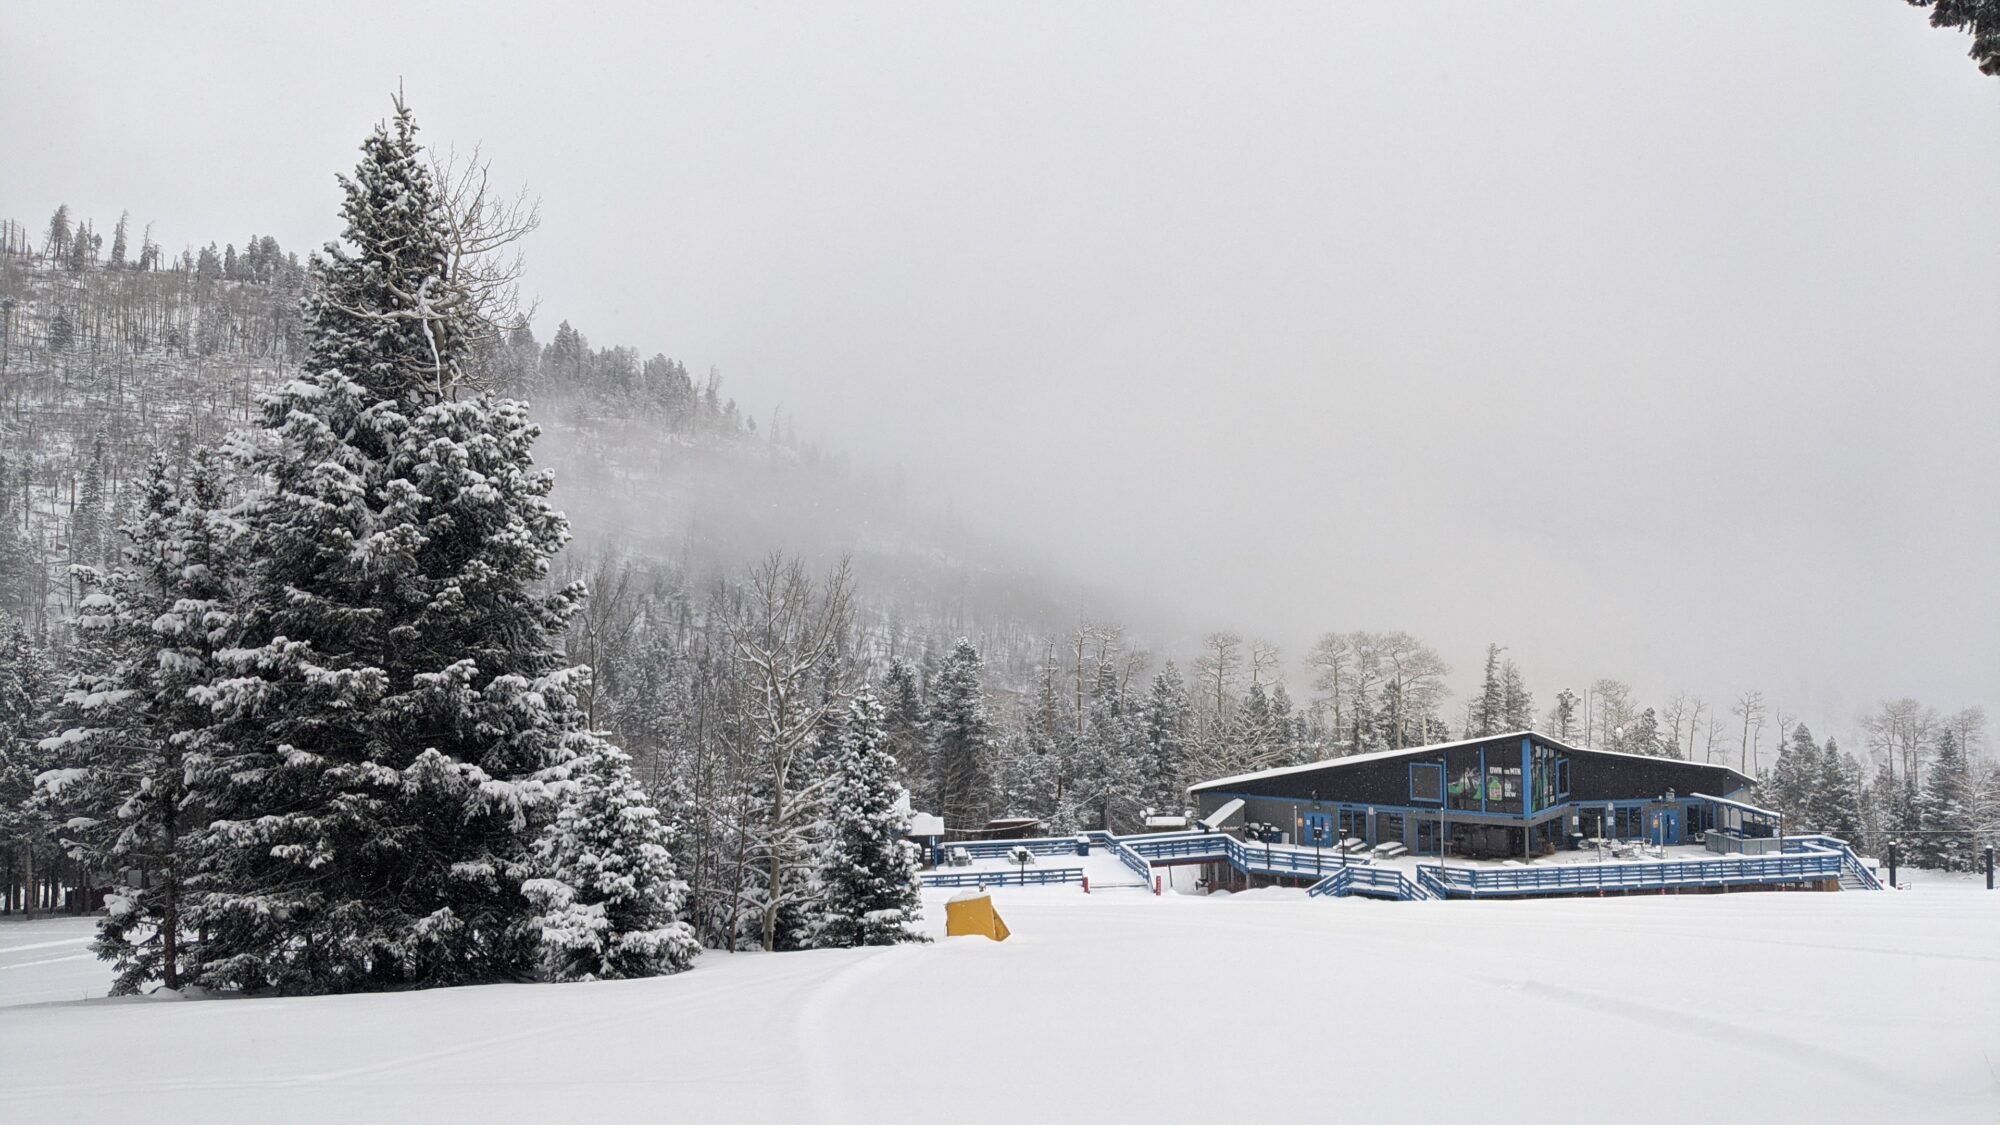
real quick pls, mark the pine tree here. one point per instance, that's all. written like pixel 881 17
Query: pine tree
pixel 1517 703
pixel 1788 788
pixel 960 736
pixel 1895 809
pixel 1168 719
pixel 609 899
pixel 117 259
pixel 1836 804
pixel 1486 715
pixel 28 686
pixel 868 880
pixel 396 720
pixel 1034 761
pixel 903 722
pixel 1945 809
pixel 87 536
pixel 1105 780
pixel 150 633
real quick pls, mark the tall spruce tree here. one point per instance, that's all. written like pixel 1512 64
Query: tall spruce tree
pixel 1945 809
pixel 960 734
pixel 868 874
pixel 1169 718
pixel 132 713
pixel 395 722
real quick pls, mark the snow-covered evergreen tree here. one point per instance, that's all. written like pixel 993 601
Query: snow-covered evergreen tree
pixel 1517 703
pixel 29 684
pixel 869 892
pixel 130 715
pixel 1169 719
pixel 609 899
pixel 1835 806
pixel 903 720
pixel 1945 808
pixel 960 738
pixel 1788 787
pixel 394 723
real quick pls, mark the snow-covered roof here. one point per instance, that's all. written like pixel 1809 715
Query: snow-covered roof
pixel 1217 818
pixel 1431 749
pixel 1738 805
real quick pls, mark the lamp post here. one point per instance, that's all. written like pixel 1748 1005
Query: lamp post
pixel 1605 830
pixel 1319 837
pixel 1444 797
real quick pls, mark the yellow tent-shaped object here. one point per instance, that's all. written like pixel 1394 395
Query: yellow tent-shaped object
pixel 973 913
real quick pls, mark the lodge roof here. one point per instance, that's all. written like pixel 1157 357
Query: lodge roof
pixel 1433 749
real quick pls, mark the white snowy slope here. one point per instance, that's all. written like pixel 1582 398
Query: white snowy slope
pixel 1116 1006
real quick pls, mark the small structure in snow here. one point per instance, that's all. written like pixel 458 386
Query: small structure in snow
pixel 927 832
pixel 971 913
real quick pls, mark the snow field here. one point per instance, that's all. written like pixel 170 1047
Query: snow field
pixel 1118 1007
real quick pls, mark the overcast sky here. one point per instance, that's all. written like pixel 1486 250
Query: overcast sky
pixel 1656 341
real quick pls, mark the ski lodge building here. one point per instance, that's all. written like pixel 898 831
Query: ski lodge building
pixel 1518 795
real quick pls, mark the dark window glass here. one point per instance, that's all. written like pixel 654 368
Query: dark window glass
pixel 1426 782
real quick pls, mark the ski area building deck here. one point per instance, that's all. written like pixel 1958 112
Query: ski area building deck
pixel 1508 816
pixel 1517 795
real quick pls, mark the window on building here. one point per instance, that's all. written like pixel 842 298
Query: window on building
pixel 1551 776
pixel 1462 779
pixel 1427 782
pixel 1503 786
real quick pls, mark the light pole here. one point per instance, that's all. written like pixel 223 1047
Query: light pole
pixel 1319 837
pixel 1444 795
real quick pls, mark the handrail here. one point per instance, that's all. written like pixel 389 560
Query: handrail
pixel 1032 876
pixel 1128 857
pixel 1793 867
pixel 994 849
pixel 1367 880
pixel 1804 858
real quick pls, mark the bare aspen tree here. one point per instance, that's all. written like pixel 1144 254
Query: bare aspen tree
pixel 1749 708
pixel 1696 705
pixel 1330 660
pixel 1899 732
pixel 786 632
pixel 1218 667
pixel 1413 685
pixel 1265 659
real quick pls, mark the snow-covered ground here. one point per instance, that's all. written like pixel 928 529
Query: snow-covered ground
pixel 1116 1006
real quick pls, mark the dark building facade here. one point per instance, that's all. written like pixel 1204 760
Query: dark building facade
pixel 1517 794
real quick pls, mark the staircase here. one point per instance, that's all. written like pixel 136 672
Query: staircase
pixel 1374 882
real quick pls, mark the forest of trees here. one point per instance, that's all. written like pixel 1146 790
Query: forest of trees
pixel 287 616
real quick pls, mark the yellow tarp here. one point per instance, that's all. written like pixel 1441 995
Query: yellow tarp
pixel 973 914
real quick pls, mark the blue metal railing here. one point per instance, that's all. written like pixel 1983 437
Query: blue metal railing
pixel 1850 864
pixel 1126 856
pixel 1385 882
pixel 1180 845
pixel 999 849
pixel 1584 877
pixel 1021 877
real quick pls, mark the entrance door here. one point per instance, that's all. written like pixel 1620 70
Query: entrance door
pixel 1318 830
pixel 1670 827
pixel 1427 837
